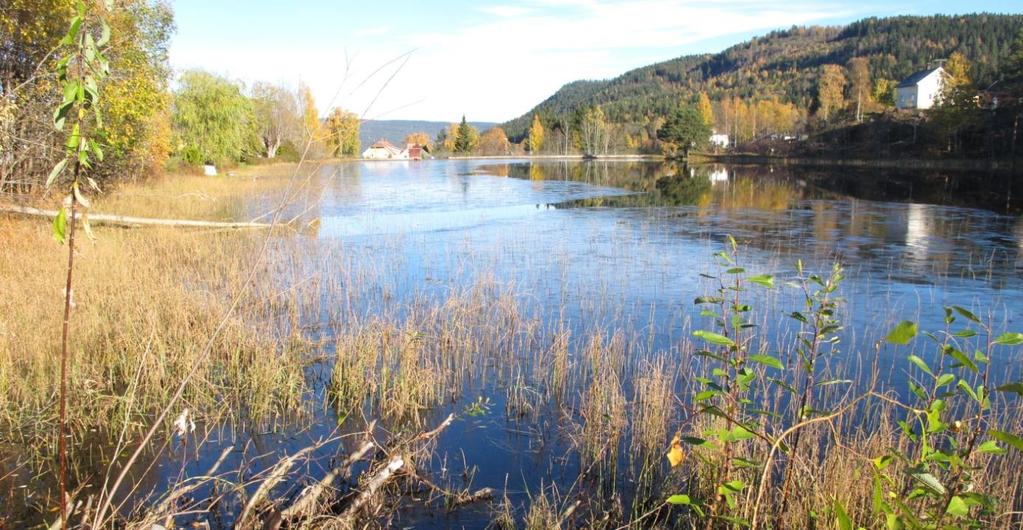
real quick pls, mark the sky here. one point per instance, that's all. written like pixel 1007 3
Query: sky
pixel 489 61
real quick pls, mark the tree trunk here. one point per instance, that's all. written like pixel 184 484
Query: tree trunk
pixel 128 221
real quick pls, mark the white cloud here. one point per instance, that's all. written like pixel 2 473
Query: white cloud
pixel 502 65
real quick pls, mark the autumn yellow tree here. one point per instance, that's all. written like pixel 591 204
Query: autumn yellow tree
pixel 536 134
pixel 957 84
pixel 859 84
pixel 957 109
pixel 493 142
pixel 884 91
pixel 450 137
pixel 314 133
pixel 705 108
pixel 418 138
pixel 830 90
pixel 342 131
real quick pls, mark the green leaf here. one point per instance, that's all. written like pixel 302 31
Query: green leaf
pixel 56 171
pixel 740 433
pixel 1012 387
pixel 679 500
pixel 735 270
pixel 767 360
pixel 80 197
pixel 714 338
pixel 1008 438
pixel 966 313
pixel 961 357
pixel 834 382
pixel 946 379
pixel 764 280
pixel 842 521
pixel 1010 339
pixel 930 482
pixel 734 485
pixel 104 36
pixel 60 226
pixel 958 507
pixel 72 32
pixel 991 447
pixel 903 333
pixel 919 363
pixel 60 115
pixel 966 388
pixel 74 138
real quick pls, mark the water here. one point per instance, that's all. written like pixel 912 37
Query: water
pixel 622 245
pixel 603 246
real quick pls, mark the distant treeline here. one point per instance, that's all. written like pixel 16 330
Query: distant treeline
pixel 147 126
pixel 784 83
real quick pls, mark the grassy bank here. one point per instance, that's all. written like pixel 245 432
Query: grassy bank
pixel 146 303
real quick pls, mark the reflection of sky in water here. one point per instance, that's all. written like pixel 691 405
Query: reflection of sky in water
pixel 453 222
pixel 634 263
pixel 401 198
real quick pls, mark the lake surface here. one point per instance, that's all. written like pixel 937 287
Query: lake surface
pixel 600 246
pixel 620 246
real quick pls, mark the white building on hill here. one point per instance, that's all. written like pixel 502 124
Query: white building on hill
pixel 719 139
pixel 920 90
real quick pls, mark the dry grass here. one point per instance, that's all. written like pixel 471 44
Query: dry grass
pixel 147 301
pixel 652 407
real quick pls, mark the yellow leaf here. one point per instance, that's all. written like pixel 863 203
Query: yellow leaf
pixel 676 455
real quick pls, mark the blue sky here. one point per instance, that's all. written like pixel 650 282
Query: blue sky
pixel 491 61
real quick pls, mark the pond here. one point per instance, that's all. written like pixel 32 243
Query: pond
pixel 526 266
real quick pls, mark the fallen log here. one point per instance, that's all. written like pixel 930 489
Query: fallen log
pixel 377 481
pixel 384 475
pixel 311 495
pixel 132 222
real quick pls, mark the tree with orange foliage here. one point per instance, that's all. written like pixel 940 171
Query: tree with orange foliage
pixel 418 138
pixel 494 142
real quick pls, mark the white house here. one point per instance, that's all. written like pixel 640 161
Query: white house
pixel 719 140
pixel 384 150
pixel 920 90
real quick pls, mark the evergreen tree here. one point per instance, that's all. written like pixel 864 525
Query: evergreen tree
pixel 467 138
pixel 683 131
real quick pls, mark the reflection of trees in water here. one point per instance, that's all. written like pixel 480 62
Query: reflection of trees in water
pixel 827 215
pixel 682 189
pixel 998 192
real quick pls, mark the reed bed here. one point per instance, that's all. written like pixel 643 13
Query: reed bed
pixel 600 395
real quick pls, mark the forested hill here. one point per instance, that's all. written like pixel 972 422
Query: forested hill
pixel 786 65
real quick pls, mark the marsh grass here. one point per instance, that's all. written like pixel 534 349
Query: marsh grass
pixel 148 300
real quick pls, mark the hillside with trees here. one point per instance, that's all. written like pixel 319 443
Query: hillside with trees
pixel 779 76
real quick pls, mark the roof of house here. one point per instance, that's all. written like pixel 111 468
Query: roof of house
pixel 385 145
pixel 916 77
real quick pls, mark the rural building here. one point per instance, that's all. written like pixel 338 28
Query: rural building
pixel 920 90
pixel 719 140
pixel 416 151
pixel 384 150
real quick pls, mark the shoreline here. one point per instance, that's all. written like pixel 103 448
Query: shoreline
pixel 957 164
